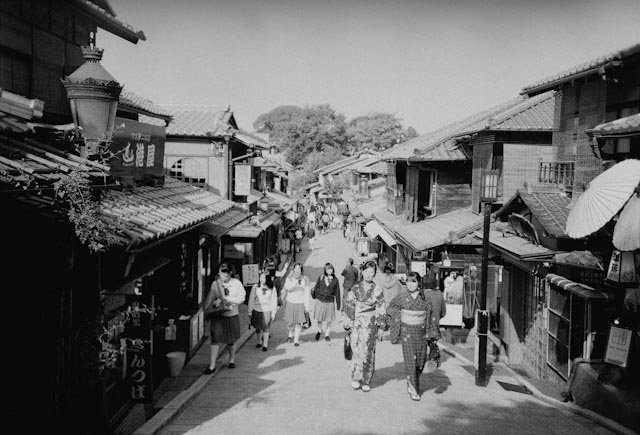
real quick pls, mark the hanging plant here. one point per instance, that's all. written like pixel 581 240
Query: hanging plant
pixel 84 212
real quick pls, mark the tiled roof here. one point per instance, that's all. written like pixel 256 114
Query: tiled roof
pixel 221 224
pixel 448 150
pixel 392 222
pixel 422 144
pixel 551 209
pixel 343 164
pixel 19 106
pixel 151 213
pixel 535 113
pixel 250 140
pixel 110 23
pixel 368 208
pixel 584 259
pixel 199 123
pixel 629 125
pixel 436 231
pixel 142 105
pixel 23 159
pixel 584 291
pixel 519 246
pixel 379 167
pixel 591 66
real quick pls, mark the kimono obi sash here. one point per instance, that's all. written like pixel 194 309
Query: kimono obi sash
pixel 412 317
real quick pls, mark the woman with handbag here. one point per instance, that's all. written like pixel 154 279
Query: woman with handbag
pixel 263 304
pixel 295 295
pixel 228 293
pixel 326 292
pixel 412 310
pixel 362 315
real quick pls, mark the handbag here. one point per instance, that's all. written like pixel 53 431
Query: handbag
pixel 348 352
pixel 211 311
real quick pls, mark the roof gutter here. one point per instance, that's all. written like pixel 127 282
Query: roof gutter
pixel 550 85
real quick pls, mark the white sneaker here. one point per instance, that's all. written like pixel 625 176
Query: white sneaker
pixel 355 385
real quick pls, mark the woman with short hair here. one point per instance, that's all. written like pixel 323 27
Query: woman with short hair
pixel 363 314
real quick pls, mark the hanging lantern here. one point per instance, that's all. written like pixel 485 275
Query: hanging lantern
pixel 622 268
pixel 93 95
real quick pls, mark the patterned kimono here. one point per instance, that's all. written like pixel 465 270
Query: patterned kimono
pixel 363 313
pixel 416 331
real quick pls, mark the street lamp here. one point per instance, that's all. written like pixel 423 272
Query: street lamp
pixel 93 95
pixel 488 195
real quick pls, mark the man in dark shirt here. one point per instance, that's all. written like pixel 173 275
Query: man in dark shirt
pixel 351 276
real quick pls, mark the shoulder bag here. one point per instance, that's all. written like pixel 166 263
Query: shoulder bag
pixel 211 311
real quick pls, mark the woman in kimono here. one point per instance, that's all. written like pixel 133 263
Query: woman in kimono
pixel 412 309
pixel 363 313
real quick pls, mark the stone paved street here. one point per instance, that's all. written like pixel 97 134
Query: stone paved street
pixel 289 390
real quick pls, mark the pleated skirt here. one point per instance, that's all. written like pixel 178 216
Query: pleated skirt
pixel 324 311
pixel 261 320
pixel 225 329
pixel 294 313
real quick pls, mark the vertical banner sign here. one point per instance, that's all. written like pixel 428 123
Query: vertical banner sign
pixel 138 149
pixel 242 180
pixel 139 351
pixel 250 274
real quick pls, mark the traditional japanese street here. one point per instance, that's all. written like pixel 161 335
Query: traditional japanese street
pixel 293 390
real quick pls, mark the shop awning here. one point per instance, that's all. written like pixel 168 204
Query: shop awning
pixel 270 220
pixel 374 229
pixel 440 230
pixel 222 224
pixel 582 290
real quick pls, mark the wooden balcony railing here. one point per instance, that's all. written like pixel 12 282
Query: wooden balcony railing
pixel 559 173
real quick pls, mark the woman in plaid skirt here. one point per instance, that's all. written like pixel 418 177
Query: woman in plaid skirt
pixel 412 310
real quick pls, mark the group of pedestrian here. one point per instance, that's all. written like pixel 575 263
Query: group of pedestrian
pixel 413 314
pixel 370 304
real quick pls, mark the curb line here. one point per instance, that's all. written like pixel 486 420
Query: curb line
pixel 171 409
pixel 570 407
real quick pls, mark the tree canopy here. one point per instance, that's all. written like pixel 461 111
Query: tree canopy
pixel 302 131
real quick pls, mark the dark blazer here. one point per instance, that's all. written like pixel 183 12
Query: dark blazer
pixel 327 293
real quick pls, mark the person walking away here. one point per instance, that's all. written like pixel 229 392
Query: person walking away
pixel 414 312
pixel 351 276
pixel 326 292
pixel 325 222
pixel 298 235
pixel 363 313
pixel 263 304
pixel 230 292
pixel 295 295
pixel 438 311
pixel 311 235
pixel 390 286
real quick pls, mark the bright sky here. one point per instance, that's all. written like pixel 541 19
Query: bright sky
pixel 429 62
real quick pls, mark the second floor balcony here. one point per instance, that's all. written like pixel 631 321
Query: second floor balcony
pixel 559 173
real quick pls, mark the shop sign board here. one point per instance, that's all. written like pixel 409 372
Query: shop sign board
pixel 138 352
pixel 250 274
pixel 618 346
pixel 420 267
pixel 242 176
pixel 138 149
pixel 453 316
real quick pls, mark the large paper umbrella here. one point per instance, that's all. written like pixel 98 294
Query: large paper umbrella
pixel 626 234
pixel 604 198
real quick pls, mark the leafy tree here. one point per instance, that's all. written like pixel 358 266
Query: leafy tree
pixel 377 131
pixel 318 159
pixel 300 131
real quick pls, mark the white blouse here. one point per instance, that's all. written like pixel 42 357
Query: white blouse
pixel 263 299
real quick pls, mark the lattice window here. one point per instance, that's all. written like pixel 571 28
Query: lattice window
pixel 190 171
